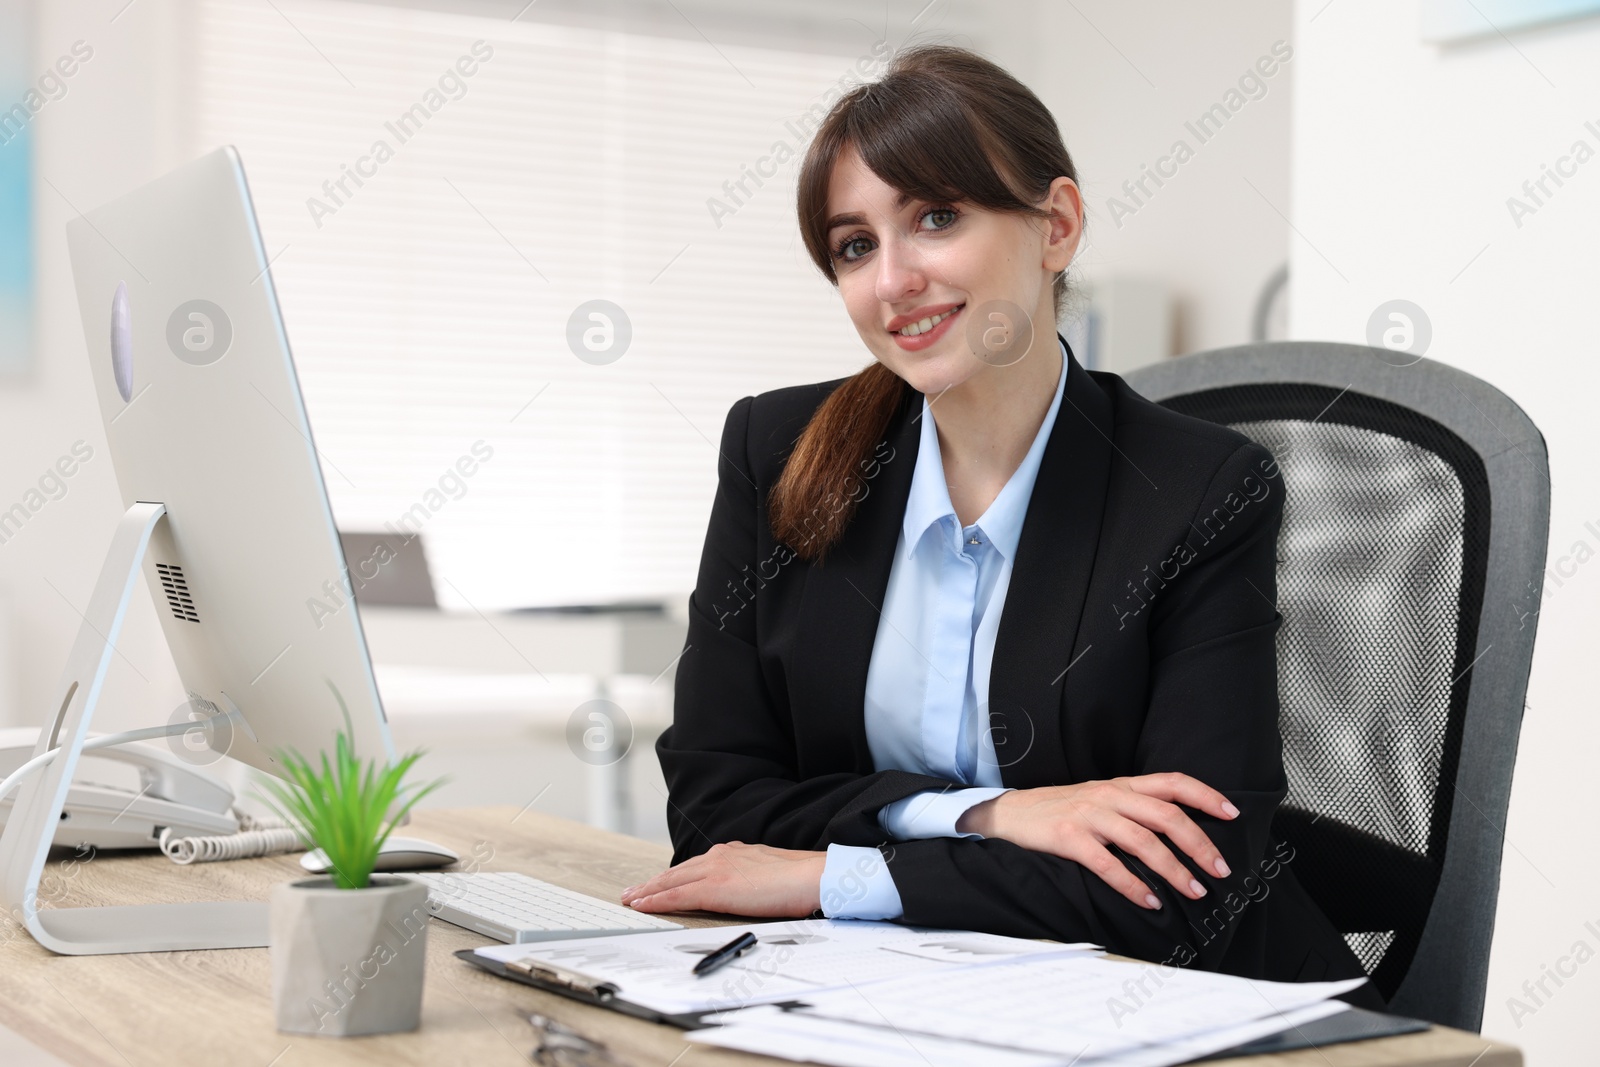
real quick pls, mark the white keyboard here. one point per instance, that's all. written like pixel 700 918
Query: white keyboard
pixel 516 908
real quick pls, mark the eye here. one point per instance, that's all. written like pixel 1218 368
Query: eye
pixel 853 239
pixel 840 250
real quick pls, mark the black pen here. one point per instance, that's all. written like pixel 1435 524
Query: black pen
pixel 726 954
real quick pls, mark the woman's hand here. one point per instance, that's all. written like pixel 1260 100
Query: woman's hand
pixel 738 879
pixel 1076 822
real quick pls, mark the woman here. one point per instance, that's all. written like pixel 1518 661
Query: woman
pixel 860 731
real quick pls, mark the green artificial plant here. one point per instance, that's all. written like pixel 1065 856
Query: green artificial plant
pixel 345 807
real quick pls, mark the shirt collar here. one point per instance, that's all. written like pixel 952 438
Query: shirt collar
pixel 929 498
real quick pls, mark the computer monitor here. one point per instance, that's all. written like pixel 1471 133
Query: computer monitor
pixel 218 468
pixel 203 413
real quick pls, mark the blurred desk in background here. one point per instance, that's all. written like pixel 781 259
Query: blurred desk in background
pixel 599 681
pixel 536 642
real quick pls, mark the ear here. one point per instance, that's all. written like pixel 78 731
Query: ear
pixel 1065 228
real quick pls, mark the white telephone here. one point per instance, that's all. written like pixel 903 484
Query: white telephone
pixel 170 793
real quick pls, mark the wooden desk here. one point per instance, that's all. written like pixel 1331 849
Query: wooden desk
pixel 216 1007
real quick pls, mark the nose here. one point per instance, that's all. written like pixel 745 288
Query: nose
pixel 901 271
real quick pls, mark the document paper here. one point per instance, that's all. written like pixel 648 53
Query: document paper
pixel 791 960
pixel 792 1035
pixel 1077 1005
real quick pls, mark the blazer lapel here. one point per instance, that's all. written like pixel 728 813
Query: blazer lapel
pixel 1035 644
pixel 843 599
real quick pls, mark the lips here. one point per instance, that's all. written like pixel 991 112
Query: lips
pixel 932 311
pixel 934 335
pixel 927 320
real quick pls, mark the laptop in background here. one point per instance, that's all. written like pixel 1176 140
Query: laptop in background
pixel 388 568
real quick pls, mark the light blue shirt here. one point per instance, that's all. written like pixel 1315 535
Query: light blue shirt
pixel 927 696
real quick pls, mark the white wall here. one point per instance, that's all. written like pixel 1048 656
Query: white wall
pixel 1123 79
pixel 120 124
pixel 1404 157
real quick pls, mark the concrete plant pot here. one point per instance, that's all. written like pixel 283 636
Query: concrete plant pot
pixel 348 961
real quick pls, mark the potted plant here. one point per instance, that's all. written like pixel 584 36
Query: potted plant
pixel 348 949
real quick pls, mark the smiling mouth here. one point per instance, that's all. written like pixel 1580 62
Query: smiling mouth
pixel 922 326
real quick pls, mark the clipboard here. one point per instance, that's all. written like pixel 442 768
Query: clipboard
pixel 578 987
pixel 1357 1024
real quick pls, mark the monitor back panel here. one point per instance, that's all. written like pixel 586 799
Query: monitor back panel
pixel 203 413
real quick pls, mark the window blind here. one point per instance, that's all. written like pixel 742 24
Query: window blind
pixel 441 191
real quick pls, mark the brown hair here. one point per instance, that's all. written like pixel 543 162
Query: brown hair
pixel 944 123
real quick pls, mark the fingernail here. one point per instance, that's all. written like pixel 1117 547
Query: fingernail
pixel 1221 867
pixel 630 889
pixel 1152 900
pixel 1232 811
pixel 1196 888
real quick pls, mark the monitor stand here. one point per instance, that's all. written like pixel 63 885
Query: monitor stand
pixel 30 830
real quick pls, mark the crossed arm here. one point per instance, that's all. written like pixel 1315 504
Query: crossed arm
pixel 1134 862
pixel 1073 822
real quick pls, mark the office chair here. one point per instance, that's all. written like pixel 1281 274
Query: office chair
pixel 1410 565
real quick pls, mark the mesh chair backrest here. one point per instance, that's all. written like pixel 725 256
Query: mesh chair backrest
pixel 1381 569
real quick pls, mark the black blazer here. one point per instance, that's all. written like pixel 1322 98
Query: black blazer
pixel 1137 636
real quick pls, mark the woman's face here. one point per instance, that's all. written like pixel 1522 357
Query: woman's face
pixel 900 263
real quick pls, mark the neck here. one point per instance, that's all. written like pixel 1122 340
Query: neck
pixel 987 423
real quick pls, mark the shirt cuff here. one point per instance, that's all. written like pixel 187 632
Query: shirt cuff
pixel 856 884
pixel 932 812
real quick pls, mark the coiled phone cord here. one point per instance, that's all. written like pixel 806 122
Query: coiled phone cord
pixel 256 837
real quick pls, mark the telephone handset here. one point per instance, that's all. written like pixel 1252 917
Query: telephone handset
pixel 170 793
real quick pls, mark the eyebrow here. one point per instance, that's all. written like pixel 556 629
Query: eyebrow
pixel 855 219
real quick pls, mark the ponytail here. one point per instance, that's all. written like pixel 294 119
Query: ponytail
pixel 835 457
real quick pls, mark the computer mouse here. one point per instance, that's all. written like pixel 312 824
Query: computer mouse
pixel 395 854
